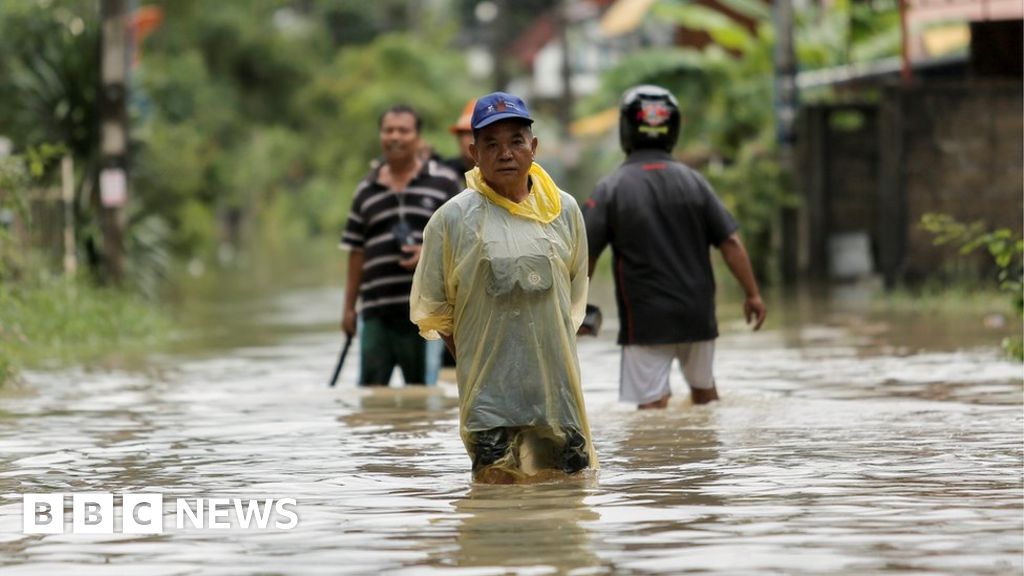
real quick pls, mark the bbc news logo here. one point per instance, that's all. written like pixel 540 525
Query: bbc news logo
pixel 143 513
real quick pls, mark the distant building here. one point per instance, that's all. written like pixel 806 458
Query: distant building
pixel 940 131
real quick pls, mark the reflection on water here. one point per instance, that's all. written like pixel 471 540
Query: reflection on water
pixel 842 444
pixel 533 526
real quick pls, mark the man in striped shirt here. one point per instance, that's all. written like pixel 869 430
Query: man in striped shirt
pixel 383 235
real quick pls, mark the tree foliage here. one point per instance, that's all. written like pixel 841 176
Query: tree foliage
pixel 257 118
pixel 1005 248
pixel 248 118
pixel 268 111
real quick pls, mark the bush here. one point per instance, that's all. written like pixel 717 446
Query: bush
pixel 1005 248
pixel 52 319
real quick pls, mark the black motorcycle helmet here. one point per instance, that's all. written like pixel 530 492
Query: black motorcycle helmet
pixel 648 118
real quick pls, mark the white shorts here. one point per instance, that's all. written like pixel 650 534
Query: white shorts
pixel 645 369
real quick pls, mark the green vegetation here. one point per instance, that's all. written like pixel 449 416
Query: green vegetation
pixel 252 123
pixel 54 320
pixel 258 119
pixel 1005 249
pixel 46 318
pixel 253 119
pixel 17 173
pixel 249 119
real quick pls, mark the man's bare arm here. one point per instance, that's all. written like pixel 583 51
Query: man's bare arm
pixel 735 255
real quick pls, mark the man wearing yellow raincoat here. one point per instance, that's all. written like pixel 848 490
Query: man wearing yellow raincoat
pixel 503 280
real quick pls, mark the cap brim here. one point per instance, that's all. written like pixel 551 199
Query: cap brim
pixel 502 116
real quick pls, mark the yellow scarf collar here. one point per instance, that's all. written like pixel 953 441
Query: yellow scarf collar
pixel 544 203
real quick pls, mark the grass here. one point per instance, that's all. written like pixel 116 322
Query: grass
pixel 55 321
pixel 960 297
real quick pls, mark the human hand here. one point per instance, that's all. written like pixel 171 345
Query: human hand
pixel 754 308
pixel 348 322
pixel 413 250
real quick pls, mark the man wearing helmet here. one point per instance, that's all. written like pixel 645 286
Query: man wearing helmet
pixel 661 218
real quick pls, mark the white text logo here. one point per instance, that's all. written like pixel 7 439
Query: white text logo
pixel 143 513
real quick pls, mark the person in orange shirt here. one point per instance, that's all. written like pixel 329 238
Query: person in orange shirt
pixel 463 132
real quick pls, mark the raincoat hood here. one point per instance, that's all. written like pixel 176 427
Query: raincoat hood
pixel 544 203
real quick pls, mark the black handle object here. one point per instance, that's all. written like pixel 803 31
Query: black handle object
pixel 592 321
pixel 341 360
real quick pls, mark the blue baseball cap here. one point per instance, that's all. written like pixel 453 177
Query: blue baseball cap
pixel 498 106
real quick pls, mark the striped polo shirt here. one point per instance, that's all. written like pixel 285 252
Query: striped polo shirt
pixel 376 210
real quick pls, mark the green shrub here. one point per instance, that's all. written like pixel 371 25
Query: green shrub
pixel 52 320
pixel 1003 245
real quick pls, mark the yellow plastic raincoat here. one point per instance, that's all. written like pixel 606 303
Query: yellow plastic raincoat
pixel 509 282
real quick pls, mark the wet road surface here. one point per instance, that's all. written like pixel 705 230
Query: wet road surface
pixel 843 446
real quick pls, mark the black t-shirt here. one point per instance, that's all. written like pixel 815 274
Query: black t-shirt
pixel 661 218
pixel 376 210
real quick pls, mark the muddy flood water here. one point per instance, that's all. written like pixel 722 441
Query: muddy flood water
pixel 845 442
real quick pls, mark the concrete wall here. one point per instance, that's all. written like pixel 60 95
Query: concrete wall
pixel 955 148
pixel 963 149
pixel 839 159
pixel 853 169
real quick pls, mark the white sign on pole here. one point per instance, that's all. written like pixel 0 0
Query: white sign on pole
pixel 113 187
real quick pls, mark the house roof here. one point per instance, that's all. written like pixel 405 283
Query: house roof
pixel 624 17
pixel 875 71
pixel 923 11
pixel 526 47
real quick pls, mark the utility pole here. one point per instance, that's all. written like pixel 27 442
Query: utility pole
pixel 570 151
pixel 786 106
pixel 565 111
pixel 67 193
pixel 906 72
pixel 114 135
pixel 488 14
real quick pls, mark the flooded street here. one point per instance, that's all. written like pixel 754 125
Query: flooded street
pixel 850 444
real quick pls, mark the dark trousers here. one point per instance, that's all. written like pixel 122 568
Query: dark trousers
pixel 491 445
pixel 385 342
